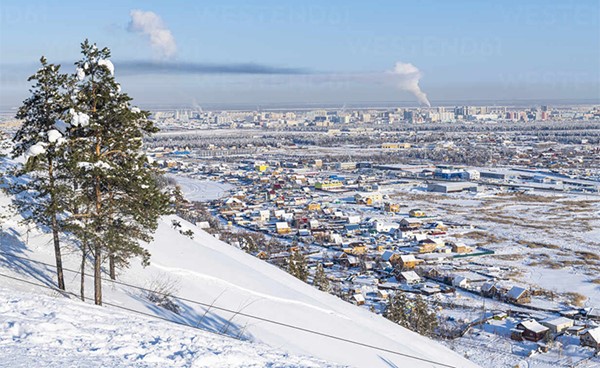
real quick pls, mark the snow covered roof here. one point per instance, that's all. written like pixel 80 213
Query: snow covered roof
pixel 516 292
pixel 487 286
pixel 557 322
pixel 358 297
pixel 410 276
pixel 533 325
pixel 387 255
pixel 408 258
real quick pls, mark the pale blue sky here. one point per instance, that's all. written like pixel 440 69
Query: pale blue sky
pixel 465 49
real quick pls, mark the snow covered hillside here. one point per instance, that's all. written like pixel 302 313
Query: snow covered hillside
pixel 212 272
pixel 38 330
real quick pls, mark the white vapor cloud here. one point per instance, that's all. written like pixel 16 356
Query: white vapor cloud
pixel 151 25
pixel 406 77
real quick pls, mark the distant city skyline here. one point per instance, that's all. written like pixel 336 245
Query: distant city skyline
pixel 234 53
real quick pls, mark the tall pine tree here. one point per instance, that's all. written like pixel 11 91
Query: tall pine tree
pixel 41 141
pixel 117 195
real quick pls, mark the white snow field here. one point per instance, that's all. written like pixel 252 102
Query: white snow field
pixel 201 190
pixel 38 330
pixel 41 331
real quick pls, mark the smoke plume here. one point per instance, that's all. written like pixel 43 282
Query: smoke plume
pixel 152 26
pixel 406 76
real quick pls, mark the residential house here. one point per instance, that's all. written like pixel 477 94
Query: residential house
pixel 391 207
pixel 460 281
pixel 530 330
pixel 416 212
pixel 591 338
pixel 313 206
pixel 358 299
pixel 519 295
pixel 557 325
pixel 383 294
pixel 233 203
pixel 410 223
pixel 489 289
pixel 461 248
pixel 390 256
pixel 407 261
pixel 368 198
pixel 427 245
pixel 385 227
pixel 264 215
pixel 409 277
pixel 282 228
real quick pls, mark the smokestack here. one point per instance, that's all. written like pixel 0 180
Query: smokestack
pixel 407 76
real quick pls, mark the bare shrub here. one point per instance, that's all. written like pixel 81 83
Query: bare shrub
pixel 588 255
pixel 161 290
pixel 575 298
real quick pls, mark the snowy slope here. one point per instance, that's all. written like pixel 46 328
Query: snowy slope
pixel 38 330
pixel 206 270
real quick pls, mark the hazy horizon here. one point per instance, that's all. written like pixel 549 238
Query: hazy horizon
pixel 233 53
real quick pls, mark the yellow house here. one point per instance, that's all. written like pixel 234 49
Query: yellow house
pixel 361 249
pixel 261 167
pixel 282 228
pixel 415 212
pixel 407 261
pixel 391 207
pixel 368 198
pixel 313 206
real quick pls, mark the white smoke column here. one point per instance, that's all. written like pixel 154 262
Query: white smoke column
pixel 151 25
pixel 406 77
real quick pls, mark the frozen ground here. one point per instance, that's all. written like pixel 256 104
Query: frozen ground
pixel 201 190
pixel 552 241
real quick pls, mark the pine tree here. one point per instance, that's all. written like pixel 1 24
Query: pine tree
pixel 412 314
pixel 41 141
pixel 423 321
pixel 397 309
pixel 117 194
pixel 297 266
pixel 320 280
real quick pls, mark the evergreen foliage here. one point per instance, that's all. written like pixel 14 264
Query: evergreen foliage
pixel 85 171
pixel 42 191
pixel 117 196
pixel 297 266
pixel 320 280
pixel 413 314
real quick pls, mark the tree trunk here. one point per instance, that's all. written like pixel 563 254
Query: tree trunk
pixel 54 225
pixel 97 275
pixel 111 266
pixel 57 255
pixel 82 284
